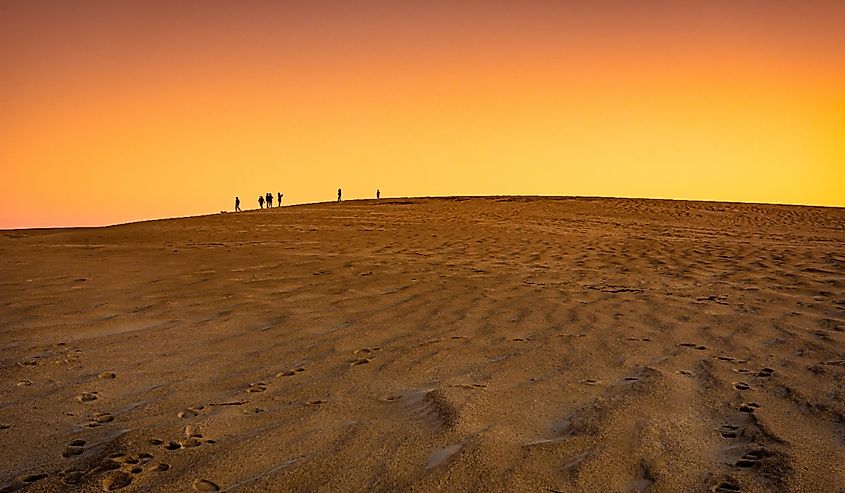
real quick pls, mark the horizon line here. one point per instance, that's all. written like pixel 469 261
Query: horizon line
pixel 385 199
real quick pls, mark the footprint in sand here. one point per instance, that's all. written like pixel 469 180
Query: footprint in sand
pixel 129 462
pixel 741 386
pixel 752 457
pixel 191 412
pixel 765 373
pixel 22 482
pixel 5 426
pixel 589 381
pixel 74 448
pixel 24 383
pixel 99 419
pixel 257 387
pixel 693 345
pixel 133 464
pixel 163 466
pixel 107 375
pixel 360 361
pixel 290 373
pixel 192 438
pixel 87 397
pixel 748 407
pixel 368 350
pixel 728 430
pixel 204 485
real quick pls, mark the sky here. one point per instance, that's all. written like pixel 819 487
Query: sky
pixel 119 110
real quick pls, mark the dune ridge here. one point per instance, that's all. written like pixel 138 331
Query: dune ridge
pixel 454 344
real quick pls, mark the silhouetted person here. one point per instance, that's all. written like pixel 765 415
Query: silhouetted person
pixel 237 204
pixel 261 201
pixel 338 194
pixel 269 200
pixel 279 204
pixel 378 194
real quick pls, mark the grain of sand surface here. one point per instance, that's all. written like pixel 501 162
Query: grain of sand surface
pixel 484 344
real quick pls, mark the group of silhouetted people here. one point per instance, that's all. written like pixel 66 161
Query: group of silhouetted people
pixel 267 199
pixel 262 199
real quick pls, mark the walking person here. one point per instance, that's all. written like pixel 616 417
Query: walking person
pixel 279 204
pixel 269 200
pixel 237 204
pixel 378 194
pixel 261 201
pixel 338 194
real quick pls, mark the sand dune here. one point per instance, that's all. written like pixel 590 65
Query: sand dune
pixel 483 344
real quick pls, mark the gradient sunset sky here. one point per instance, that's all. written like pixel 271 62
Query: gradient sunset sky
pixel 112 111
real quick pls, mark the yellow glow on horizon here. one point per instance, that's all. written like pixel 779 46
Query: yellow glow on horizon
pixel 106 146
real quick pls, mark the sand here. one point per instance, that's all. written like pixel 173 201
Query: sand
pixel 484 344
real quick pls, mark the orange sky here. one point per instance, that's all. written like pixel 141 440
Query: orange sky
pixel 116 110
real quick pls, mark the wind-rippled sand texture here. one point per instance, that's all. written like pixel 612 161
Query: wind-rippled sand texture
pixel 484 344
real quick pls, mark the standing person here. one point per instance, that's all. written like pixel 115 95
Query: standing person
pixel 378 194
pixel 269 200
pixel 237 204
pixel 261 201
pixel 279 204
pixel 338 194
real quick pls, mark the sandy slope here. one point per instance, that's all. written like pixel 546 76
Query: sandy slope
pixel 501 344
